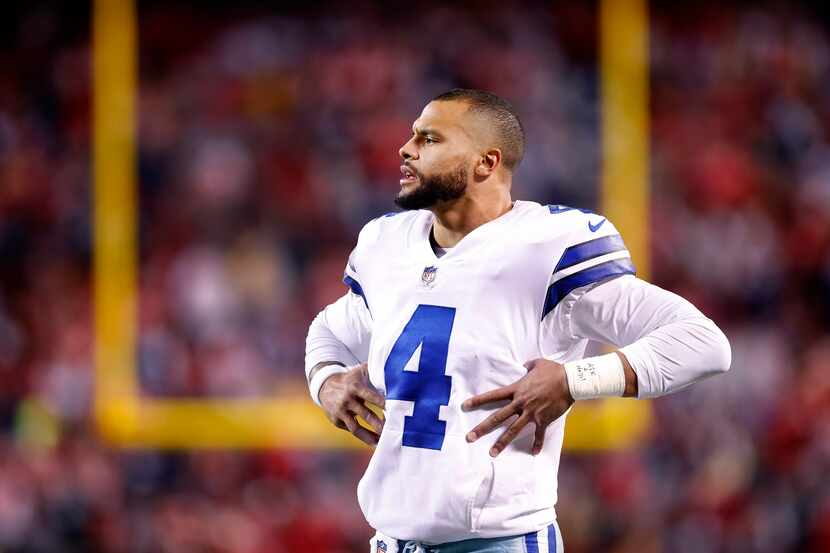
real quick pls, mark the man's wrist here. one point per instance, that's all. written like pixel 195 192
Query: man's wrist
pixel 319 374
pixel 595 377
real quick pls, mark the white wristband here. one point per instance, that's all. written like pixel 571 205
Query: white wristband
pixel 320 377
pixel 594 377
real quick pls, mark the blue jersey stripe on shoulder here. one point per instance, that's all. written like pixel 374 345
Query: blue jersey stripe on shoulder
pixel 531 543
pixel 561 288
pixel 589 250
pixel 555 208
pixel 356 288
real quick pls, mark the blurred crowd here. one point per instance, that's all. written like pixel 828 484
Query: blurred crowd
pixel 266 141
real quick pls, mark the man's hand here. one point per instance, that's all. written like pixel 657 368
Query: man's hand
pixel 540 397
pixel 344 396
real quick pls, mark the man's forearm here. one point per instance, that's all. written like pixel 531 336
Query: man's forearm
pixel 666 342
pixel 337 338
pixel 680 353
pixel 326 355
pixel 323 347
pixel 316 368
pixel 318 376
pixel 630 376
pixel 609 375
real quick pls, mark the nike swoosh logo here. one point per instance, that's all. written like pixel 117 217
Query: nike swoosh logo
pixel 594 228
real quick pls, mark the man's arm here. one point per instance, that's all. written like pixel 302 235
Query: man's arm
pixel 337 342
pixel 338 338
pixel 630 389
pixel 667 345
pixel 663 339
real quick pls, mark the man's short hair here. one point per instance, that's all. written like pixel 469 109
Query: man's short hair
pixel 510 134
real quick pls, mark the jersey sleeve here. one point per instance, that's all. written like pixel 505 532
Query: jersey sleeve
pixel 352 279
pixel 594 298
pixel 668 342
pixel 594 252
pixel 339 333
pixel 342 330
pixel 355 274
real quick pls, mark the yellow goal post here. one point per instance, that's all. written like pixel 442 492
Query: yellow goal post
pixel 127 418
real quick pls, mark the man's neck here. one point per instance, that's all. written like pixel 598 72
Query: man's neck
pixel 455 220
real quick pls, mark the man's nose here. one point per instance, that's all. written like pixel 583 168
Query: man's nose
pixel 407 152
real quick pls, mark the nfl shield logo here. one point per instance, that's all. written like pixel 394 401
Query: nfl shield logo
pixel 428 276
pixel 381 547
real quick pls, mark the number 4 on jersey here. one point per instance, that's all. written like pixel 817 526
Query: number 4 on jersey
pixel 429 388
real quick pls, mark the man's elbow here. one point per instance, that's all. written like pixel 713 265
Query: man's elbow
pixel 720 351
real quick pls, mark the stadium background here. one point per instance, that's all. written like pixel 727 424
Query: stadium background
pixel 267 137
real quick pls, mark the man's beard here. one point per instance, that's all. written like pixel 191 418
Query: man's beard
pixel 434 189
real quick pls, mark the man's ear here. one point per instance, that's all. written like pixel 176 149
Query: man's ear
pixel 488 163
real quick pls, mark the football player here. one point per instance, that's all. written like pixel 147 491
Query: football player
pixel 469 311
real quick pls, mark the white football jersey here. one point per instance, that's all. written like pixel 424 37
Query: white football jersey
pixel 436 331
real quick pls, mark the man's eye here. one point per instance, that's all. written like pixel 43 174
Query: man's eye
pixel 429 140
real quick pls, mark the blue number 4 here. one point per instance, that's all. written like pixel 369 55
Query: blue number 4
pixel 429 388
